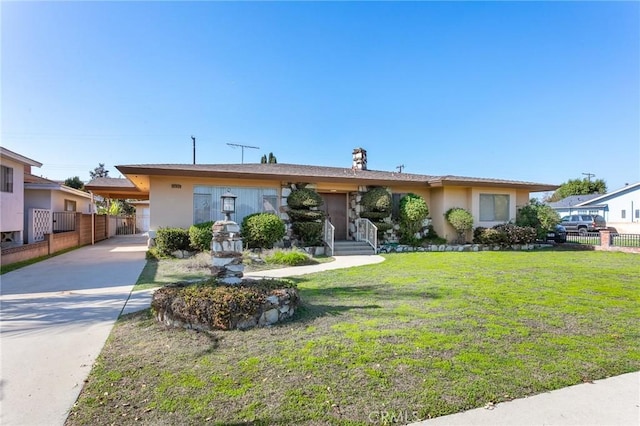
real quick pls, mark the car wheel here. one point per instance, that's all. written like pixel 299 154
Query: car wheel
pixel 582 231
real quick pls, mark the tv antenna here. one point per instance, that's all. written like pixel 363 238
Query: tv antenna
pixel 589 176
pixel 193 138
pixel 236 145
pixel 400 167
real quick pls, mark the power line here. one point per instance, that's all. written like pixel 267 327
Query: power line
pixel 235 145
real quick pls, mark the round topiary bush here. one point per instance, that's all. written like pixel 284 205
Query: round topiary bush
pixel 299 215
pixel 262 230
pixel 461 220
pixel 376 200
pixel 304 198
pixel 413 211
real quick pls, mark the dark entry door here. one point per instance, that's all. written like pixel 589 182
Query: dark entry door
pixel 335 206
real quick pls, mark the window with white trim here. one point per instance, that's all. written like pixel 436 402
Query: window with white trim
pixel 623 214
pixel 6 179
pixel 494 207
pixel 69 206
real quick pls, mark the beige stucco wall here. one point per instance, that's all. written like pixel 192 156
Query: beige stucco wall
pixel 12 203
pixel 83 204
pixel 442 199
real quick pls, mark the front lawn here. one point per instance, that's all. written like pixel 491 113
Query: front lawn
pixel 419 335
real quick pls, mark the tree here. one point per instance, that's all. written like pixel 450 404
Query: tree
pixel 99 172
pixel 461 220
pixel 539 216
pixel 270 160
pixel 579 187
pixel 74 182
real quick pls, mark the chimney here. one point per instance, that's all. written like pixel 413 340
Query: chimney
pixel 359 159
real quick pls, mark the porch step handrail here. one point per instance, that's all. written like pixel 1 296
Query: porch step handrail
pixel 366 231
pixel 329 236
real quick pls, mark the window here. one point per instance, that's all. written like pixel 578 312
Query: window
pixel 206 202
pixel 637 213
pixel 623 214
pixel 270 203
pixel 494 207
pixel 69 206
pixel 6 179
pixel 395 205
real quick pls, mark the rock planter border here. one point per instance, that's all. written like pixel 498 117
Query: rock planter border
pixel 401 248
pixel 277 305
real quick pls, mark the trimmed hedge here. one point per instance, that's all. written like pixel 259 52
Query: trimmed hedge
pixel 505 235
pixel 288 257
pixel 200 236
pixel 169 240
pixel 309 232
pixel 262 230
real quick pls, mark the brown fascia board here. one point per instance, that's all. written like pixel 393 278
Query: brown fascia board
pixel 460 181
pixel 308 178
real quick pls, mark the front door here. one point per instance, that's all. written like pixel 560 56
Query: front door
pixel 335 206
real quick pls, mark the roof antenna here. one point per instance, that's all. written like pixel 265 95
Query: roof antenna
pixel 243 147
pixel 400 167
pixel 193 138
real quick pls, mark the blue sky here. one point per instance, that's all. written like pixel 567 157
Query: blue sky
pixel 534 91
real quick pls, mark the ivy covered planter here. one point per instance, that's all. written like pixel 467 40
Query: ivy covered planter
pixel 212 306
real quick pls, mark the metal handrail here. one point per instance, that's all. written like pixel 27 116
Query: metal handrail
pixel 329 235
pixel 367 231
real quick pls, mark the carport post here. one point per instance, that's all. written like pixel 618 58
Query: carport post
pixel 93 221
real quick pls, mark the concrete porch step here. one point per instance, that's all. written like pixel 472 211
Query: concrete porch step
pixel 352 248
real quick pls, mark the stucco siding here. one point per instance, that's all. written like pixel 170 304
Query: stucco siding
pixel 12 203
pixel 83 205
pixel 629 202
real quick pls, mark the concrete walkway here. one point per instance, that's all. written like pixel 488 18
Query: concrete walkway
pixel 340 262
pixel 56 317
pixel 612 401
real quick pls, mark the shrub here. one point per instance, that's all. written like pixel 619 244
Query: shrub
pixel 309 232
pixel 200 236
pixel 413 211
pixel 304 198
pixel 299 215
pixel 539 216
pixel 169 240
pixel 262 230
pixel 374 216
pixel 504 235
pixel 461 220
pixel 288 257
pixel 376 200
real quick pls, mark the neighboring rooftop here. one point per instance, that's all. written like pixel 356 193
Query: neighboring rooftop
pixel 4 152
pixel 573 200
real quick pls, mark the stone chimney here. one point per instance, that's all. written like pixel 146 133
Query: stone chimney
pixel 359 159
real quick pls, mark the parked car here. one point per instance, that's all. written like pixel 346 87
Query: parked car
pixel 559 234
pixel 583 223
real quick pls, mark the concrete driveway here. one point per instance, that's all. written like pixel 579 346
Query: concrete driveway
pixel 55 318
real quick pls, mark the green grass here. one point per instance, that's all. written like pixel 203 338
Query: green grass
pixel 424 333
pixel 13 266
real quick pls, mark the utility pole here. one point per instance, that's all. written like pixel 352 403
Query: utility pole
pixel 400 167
pixel 193 138
pixel 235 145
pixel 589 176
